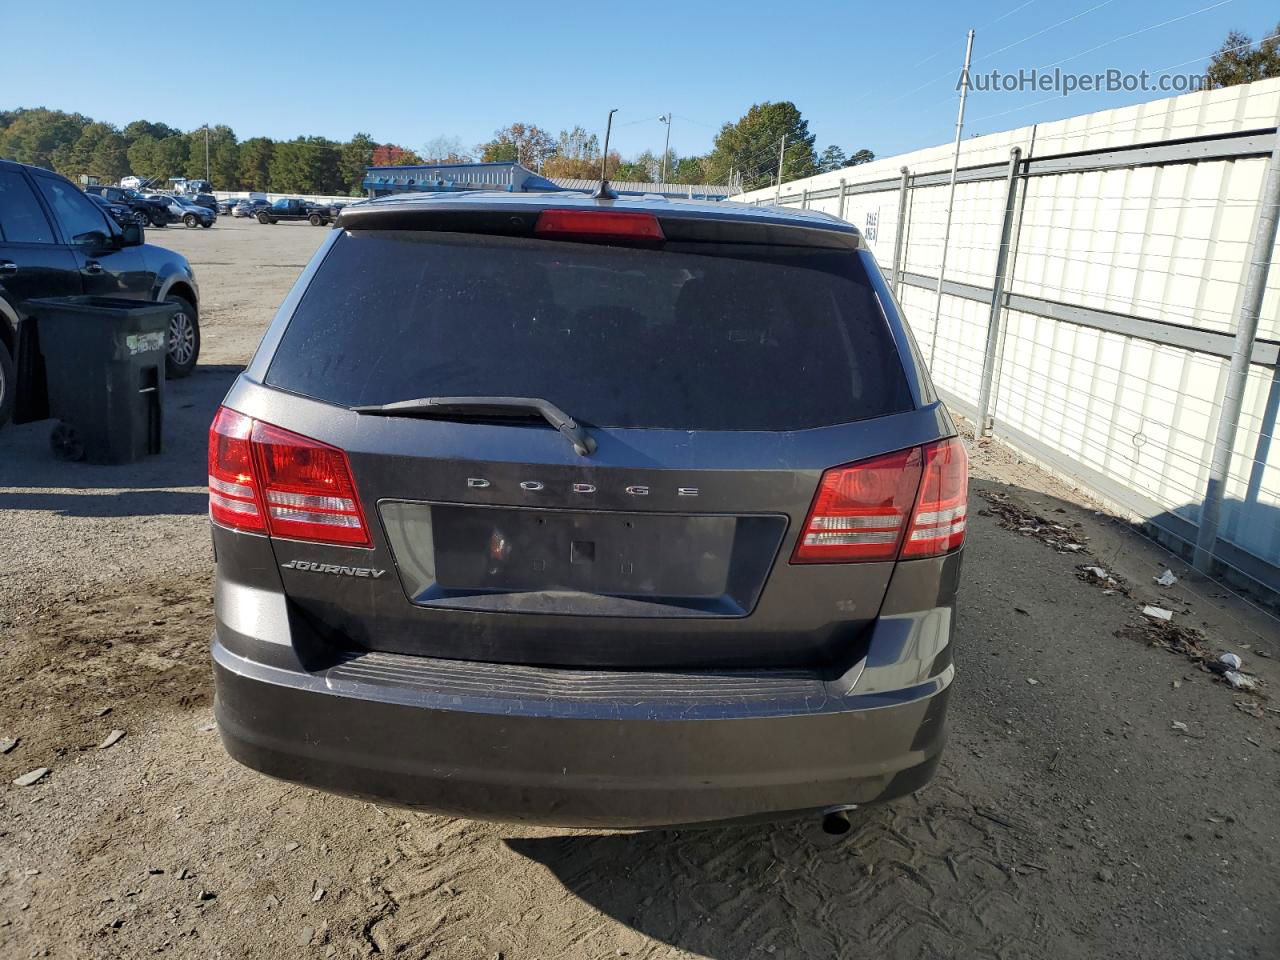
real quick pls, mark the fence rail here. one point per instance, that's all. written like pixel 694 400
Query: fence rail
pixel 1090 304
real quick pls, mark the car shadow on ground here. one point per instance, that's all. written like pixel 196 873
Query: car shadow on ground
pixel 31 478
pixel 730 893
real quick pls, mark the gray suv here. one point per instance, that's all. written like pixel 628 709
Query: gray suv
pixel 598 513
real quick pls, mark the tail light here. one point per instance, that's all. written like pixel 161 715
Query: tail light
pixel 263 479
pixel 233 494
pixel 938 523
pixel 909 504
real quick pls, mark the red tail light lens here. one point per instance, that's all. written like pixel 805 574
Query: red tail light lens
pixel 268 480
pixel 599 225
pixel 938 525
pixel 233 494
pixel 861 510
pixel 864 511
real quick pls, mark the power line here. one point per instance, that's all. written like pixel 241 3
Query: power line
pixel 1128 36
pixel 1008 46
pixel 1060 23
pixel 1159 70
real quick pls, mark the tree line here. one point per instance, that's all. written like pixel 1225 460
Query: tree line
pixel 745 151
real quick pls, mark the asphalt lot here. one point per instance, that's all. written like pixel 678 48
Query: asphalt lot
pixel 1071 817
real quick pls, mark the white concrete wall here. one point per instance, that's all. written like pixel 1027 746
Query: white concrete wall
pixel 1167 243
pixel 244 194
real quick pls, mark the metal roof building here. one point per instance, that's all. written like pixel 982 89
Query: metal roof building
pixel 514 178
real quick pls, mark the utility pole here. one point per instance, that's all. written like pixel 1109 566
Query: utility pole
pixel 951 196
pixel 782 155
pixel 1255 289
pixel 666 118
pixel 206 153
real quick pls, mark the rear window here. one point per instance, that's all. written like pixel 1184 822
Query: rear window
pixel 693 336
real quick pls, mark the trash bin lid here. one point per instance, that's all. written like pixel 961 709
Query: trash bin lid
pixel 97 305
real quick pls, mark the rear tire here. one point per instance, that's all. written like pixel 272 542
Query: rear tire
pixel 263 218
pixel 183 341
pixel 8 386
pixel 315 220
pixel 206 224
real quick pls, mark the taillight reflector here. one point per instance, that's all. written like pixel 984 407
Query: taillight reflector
pixel 267 480
pixel 910 504
pixel 599 225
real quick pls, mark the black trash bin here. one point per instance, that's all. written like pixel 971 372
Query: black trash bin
pixel 104 365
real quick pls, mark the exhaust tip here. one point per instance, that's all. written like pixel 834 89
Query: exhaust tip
pixel 835 821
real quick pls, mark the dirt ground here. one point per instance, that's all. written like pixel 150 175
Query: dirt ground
pixel 1101 795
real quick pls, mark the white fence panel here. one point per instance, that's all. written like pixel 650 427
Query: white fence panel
pixel 1126 276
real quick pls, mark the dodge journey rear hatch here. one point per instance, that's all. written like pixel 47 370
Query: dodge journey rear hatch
pixel 588 437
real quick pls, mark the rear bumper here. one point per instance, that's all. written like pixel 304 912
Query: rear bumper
pixel 583 748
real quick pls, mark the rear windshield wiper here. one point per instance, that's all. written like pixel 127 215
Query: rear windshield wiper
pixel 481 408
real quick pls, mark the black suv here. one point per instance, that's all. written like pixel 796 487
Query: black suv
pixel 588 512
pixel 54 242
pixel 153 213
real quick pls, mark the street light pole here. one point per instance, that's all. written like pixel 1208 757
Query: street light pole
pixel 206 154
pixel 666 151
pixel 951 197
pixel 782 155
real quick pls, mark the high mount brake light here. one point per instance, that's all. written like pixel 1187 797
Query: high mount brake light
pixel 263 479
pixel 909 504
pixel 599 225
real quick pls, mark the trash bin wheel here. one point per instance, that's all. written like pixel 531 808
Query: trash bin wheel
pixel 65 442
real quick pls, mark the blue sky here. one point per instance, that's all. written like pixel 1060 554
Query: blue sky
pixel 874 75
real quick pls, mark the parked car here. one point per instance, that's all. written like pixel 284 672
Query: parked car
pixel 227 205
pixel 182 209
pixel 250 207
pixel 206 200
pixel 118 212
pixel 54 242
pixel 601 514
pixel 316 214
pixel 155 212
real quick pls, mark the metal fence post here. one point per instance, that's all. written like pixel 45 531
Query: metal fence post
pixel 1264 238
pixel 804 199
pixel 842 189
pixel 986 420
pixel 899 241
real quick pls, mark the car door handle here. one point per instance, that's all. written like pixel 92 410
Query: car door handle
pixel 8 268
pixel 92 267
